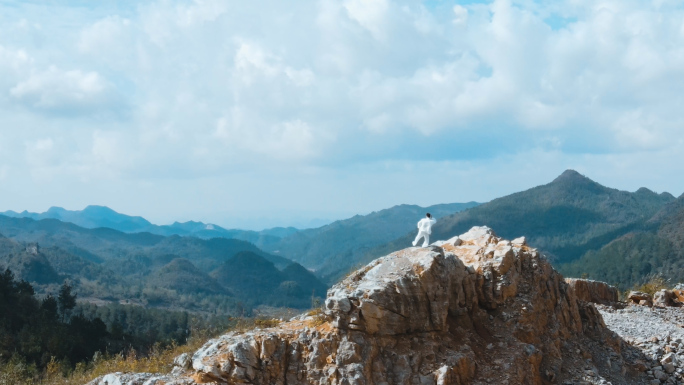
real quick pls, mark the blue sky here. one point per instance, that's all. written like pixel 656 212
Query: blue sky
pixel 264 113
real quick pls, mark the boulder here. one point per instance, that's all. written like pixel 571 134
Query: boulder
pixel 593 291
pixel 663 298
pixel 521 241
pixel 638 296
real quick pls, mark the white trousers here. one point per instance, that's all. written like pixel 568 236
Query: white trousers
pixel 425 236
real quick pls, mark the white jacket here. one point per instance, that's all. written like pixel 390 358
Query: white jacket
pixel 425 225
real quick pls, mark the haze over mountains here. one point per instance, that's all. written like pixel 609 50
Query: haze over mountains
pixel 101 216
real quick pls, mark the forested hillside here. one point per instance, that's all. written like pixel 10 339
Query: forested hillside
pixel 342 243
pixel 656 248
pixel 574 218
pixel 184 273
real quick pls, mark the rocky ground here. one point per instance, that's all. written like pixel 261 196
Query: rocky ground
pixel 656 335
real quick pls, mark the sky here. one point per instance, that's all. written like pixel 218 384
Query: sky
pixel 253 114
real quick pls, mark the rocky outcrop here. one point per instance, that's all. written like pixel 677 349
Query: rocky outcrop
pixel 476 309
pixel 664 298
pixel 593 291
pixel 661 298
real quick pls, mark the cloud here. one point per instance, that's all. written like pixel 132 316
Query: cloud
pixel 460 15
pixel 66 92
pixel 13 64
pixel 370 14
pixel 108 34
pixel 180 91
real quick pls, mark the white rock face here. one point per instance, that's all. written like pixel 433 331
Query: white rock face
pixel 139 379
pixel 476 309
pixel 405 292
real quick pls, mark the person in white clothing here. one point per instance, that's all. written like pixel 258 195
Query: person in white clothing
pixel 424 230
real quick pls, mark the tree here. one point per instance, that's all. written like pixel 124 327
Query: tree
pixel 66 299
pixel 49 308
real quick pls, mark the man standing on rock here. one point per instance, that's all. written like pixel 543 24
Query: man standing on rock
pixel 424 230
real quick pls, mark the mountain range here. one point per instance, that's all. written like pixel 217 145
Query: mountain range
pixel 147 269
pixel 584 228
pixel 352 237
pixel 114 257
pixel 579 224
pixel 319 249
pixel 94 216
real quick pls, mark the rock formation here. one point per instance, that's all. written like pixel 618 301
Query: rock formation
pixel 476 309
pixel 593 291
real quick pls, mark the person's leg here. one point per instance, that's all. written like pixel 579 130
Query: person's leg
pixel 420 234
pixel 426 240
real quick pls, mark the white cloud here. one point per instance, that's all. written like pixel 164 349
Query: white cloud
pixel 59 91
pixel 42 157
pixel 13 64
pixel 460 15
pixel 211 89
pixel 370 14
pixel 293 140
pixel 109 34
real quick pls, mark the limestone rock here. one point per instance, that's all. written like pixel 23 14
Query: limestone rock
pixel 638 296
pixel 139 379
pixel 521 241
pixel 183 361
pixel 668 358
pixel 593 291
pixel 663 298
pixel 477 309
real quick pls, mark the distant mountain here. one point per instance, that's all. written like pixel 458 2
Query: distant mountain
pixel 90 217
pixel 566 219
pixel 145 268
pixel 352 237
pixel 346 241
pixel 183 277
pixel 101 216
pixel 256 278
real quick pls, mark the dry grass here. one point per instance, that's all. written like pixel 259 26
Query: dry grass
pixel 318 315
pixel 266 322
pixel 159 360
pixel 653 285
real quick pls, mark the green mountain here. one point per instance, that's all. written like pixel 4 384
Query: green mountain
pixel 183 277
pixel 566 219
pixel 27 262
pixel 109 265
pixel 255 278
pixel 655 248
pixel 347 241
